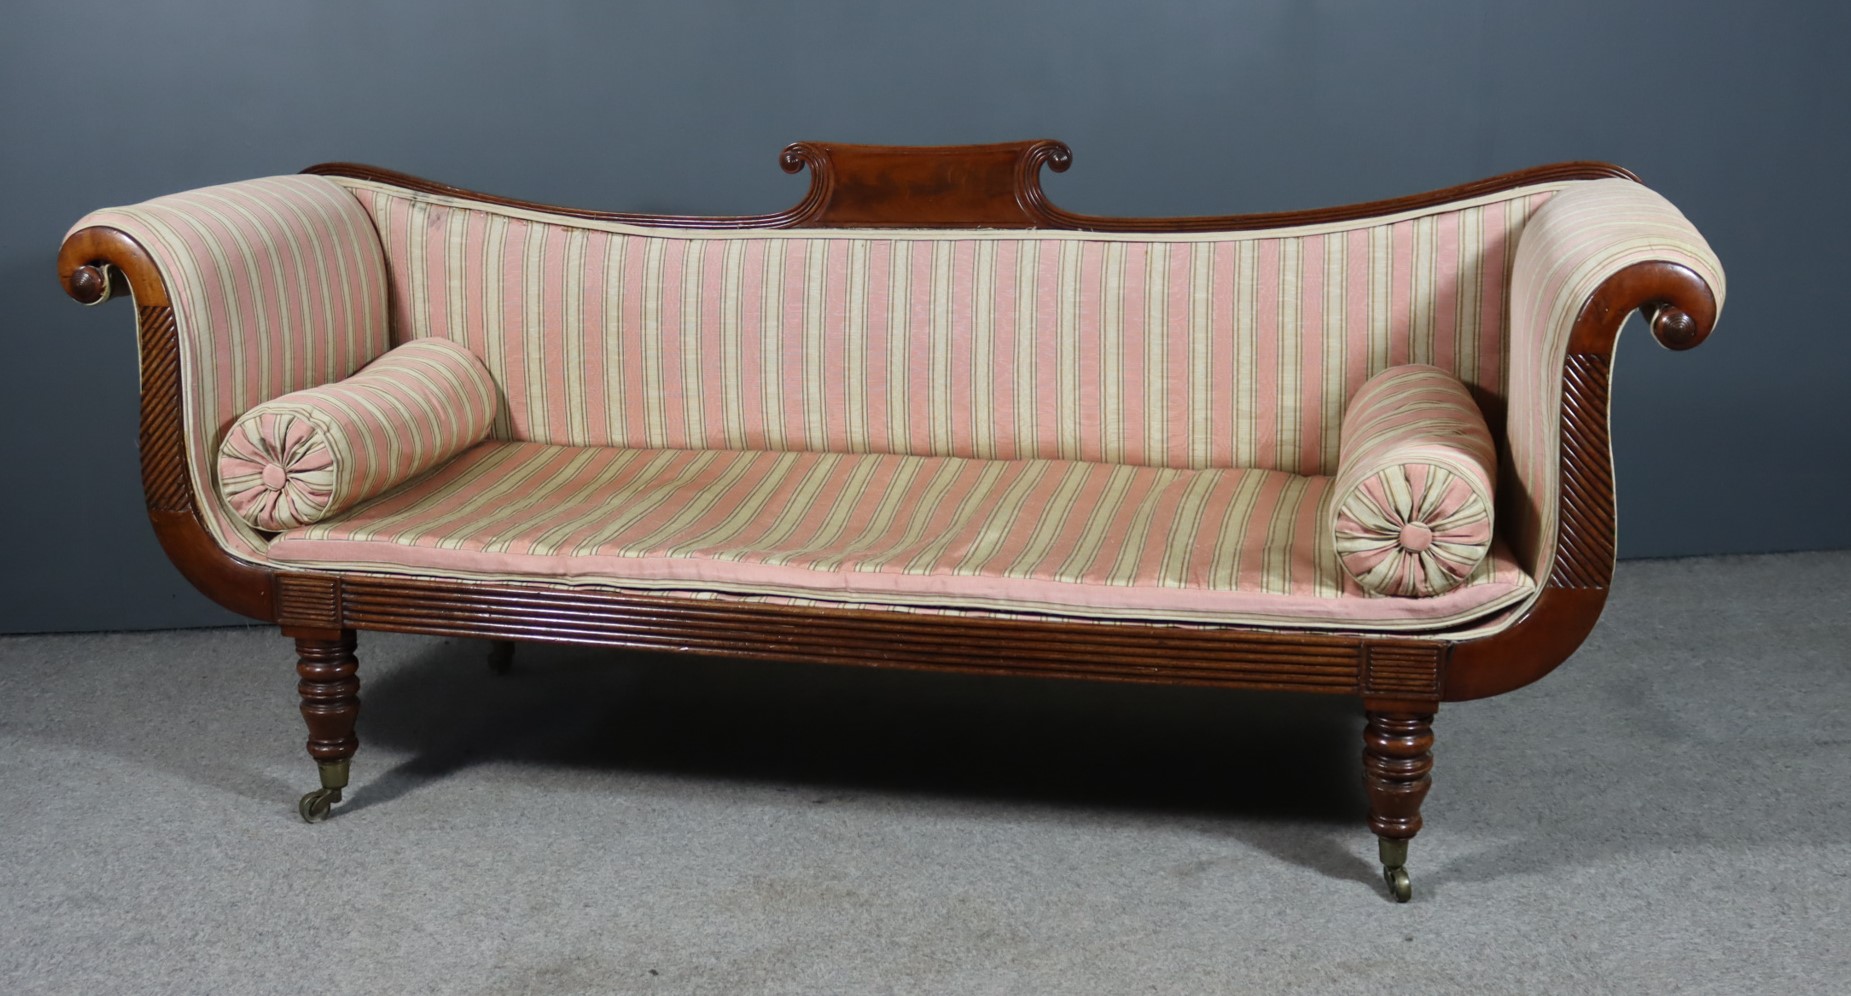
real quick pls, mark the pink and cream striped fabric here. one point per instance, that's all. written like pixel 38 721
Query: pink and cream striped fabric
pixel 1216 350
pixel 277 284
pixel 312 453
pixel 1106 541
pixel 1412 503
pixel 1583 236
pixel 1234 356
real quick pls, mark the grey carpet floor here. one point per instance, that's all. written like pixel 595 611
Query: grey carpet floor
pixel 1669 812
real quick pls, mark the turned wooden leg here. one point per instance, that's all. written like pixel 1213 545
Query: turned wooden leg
pixel 501 656
pixel 330 692
pixel 1397 769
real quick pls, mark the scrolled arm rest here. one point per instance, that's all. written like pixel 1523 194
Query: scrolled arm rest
pixel 1594 232
pixel 244 292
pixel 1591 255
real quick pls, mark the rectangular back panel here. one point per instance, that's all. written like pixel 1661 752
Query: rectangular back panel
pixel 1214 350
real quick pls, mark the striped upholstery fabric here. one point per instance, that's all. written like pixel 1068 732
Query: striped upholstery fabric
pixel 277 285
pixel 1582 237
pixel 1214 350
pixel 312 453
pixel 1172 353
pixel 1098 540
pixel 1412 503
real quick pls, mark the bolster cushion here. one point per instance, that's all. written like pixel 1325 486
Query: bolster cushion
pixel 308 455
pixel 1411 507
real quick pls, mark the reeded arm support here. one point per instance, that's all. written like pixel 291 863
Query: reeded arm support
pixel 95 265
pixel 243 292
pixel 1589 258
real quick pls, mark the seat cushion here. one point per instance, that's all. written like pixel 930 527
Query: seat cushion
pixel 1101 541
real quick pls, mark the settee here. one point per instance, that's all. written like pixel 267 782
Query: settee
pixel 923 419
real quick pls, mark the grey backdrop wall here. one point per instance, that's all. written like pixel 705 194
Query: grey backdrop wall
pixel 1171 106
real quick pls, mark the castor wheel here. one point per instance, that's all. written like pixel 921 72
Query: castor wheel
pixel 314 806
pixel 1394 854
pixel 501 656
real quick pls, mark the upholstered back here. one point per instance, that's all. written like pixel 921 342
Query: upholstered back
pixel 1216 350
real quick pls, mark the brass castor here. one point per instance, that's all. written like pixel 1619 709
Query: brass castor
pixel 315 805
pixel 1394 868
pixel 501 656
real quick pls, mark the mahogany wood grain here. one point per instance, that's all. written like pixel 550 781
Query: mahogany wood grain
pixel 554 614
pixel 1397 770
pixel 968 186
pixel 94 265
pixel 1681 310
pixel 329 687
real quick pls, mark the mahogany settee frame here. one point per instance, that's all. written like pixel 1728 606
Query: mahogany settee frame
pixel 1401 679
